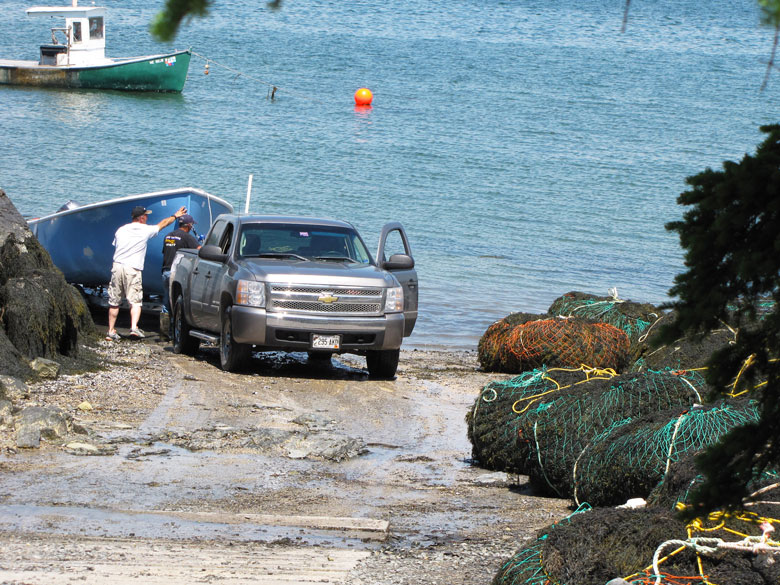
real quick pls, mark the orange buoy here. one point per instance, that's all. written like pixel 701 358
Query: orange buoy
pixel 363 97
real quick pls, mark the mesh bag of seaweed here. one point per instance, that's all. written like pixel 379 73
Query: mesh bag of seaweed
pixel 492 349
pixel 567 343
pixel 504 413
pixel 649 546
pixel 635 319
pixel 560 434
pixel 630 458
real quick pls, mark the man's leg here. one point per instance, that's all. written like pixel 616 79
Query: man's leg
pixel 113 313
pixel 115 292
pixel 166 300
pixel 135 316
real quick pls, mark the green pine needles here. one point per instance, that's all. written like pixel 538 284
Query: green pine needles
pixel 731 235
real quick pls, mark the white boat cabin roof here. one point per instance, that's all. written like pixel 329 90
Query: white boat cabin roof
pixel 67 11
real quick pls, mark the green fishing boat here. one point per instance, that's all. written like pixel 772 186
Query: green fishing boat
pixel 76 58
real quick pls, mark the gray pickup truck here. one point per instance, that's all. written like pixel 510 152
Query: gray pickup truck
pixel 276 283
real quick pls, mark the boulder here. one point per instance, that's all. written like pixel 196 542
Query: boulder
pixel 6 413
pixel 12 389
pixel 42 315
pixel 45 368
pixel 36 422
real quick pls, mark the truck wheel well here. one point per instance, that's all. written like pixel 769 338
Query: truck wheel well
pixel 225 302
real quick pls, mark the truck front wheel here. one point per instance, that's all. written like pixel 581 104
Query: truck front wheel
pixel 231 354
pixel 382 364
pixel 183 342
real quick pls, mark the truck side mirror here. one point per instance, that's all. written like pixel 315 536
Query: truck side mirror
pixel 213 253
pixel 398 262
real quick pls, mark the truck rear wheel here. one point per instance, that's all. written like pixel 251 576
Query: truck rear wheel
pixel 183 342
pixel 383 364
pixel 232 355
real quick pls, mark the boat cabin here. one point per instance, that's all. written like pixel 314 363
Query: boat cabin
pixel 82 41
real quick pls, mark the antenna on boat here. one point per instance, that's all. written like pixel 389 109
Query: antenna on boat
pixel 248 190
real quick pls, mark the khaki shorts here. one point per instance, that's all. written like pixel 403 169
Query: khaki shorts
pixel 125 283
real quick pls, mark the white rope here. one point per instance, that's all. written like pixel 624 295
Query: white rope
pixel 272 88
pixel 671 444
pixel 541 466
pixel 692 388
pixel 703 545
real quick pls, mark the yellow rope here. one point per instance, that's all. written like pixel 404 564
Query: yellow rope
pixel 590 374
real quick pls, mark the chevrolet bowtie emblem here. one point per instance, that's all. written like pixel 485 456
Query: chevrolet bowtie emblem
pixel 327 298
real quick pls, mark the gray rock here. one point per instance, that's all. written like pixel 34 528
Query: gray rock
pixel 13 389
pixel 48 422
pixel 313 421
pixel 6 413
pixel 267 438
pixel 45 368
pixel 325 446
pixel 28 437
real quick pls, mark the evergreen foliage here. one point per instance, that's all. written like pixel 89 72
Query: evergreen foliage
pixel 731 235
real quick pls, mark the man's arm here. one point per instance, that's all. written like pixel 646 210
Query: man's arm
pixel 169 220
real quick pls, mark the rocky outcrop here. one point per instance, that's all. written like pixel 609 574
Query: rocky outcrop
pixel 41 315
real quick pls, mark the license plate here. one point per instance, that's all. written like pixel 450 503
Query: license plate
pixel 325 341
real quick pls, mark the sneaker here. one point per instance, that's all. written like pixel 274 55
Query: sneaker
pixel 137 333
pixel 113 336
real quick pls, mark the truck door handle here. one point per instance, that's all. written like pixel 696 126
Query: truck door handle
pixel 195 271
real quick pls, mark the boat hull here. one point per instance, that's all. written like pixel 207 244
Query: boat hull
pixel 80 240
pixel 162 73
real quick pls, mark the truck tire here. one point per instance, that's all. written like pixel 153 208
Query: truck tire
pixel 382 364
pixel 232 355
pixel 183 342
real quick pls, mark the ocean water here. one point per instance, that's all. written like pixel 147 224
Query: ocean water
pixel 529 147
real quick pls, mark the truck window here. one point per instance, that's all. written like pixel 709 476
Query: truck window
pixel 394 244
pixel 215 235
pixel 304 240
pixel 227 239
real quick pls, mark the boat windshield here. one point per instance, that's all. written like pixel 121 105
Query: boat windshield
pixel 96 27
pixel 303 242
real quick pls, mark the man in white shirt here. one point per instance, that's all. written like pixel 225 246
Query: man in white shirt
pixel 130 251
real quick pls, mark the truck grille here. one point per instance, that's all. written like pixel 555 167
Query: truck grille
pixel 330 300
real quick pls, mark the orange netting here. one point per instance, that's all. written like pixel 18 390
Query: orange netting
pixel 566 343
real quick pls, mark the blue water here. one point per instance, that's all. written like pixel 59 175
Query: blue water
pixel 528 147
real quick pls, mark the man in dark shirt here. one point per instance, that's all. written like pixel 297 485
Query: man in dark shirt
pixel 181 237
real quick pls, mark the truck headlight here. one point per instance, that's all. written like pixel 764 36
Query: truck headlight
pixel 394 301
pixel 251 293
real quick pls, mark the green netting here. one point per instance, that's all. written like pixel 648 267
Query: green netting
pixel 526 566
pixel 505 409
pixel 631 457
pixel 632 318
pixel 561 433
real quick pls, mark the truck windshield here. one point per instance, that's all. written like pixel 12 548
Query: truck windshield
pixel 285 241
